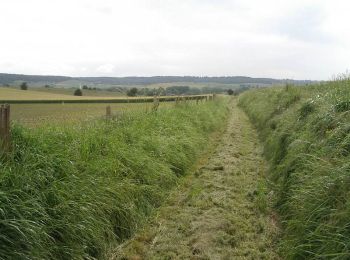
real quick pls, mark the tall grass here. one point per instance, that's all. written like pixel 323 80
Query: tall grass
pixel 306 132
pixel 73 192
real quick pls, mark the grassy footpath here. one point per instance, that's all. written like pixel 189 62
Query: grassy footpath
pixel 306 135
pixel 219 211
pixel 73 192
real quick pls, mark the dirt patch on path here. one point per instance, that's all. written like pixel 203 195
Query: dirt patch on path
pixel 219 212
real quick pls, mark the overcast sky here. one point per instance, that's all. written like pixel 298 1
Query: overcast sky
pixel 298 39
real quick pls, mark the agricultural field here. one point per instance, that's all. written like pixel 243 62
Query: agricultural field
pixel 52 112
pixel 34 115
pixel 43 94
pixel 70 90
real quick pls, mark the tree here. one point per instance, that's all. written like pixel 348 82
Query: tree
pixel 230 92
pixel 177 90
pixel 132 92
pixel 24 86
pixel 78 92
pixel 85 87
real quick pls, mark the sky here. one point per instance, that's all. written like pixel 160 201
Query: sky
pixel 298 39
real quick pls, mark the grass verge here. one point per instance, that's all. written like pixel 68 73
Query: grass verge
pixel 72 192
pixel 306 135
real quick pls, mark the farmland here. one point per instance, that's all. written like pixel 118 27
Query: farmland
pixel 51 95
pixel 34 115
pixel 35 108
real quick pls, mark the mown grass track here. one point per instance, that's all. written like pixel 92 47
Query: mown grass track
pixel 220 211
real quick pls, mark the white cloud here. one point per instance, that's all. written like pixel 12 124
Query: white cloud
pixel 299 39
pixel 105 69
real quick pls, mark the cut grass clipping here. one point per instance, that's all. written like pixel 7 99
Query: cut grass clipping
pixel 73 192
pixel 306 133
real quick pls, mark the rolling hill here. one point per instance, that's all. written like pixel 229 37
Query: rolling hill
pixel 15 79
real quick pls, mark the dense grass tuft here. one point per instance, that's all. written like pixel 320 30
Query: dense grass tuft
pixel 306 132
pixel 72 192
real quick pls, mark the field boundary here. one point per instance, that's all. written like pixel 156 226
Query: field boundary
pixel 111 100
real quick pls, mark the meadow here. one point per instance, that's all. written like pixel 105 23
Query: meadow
pixel 74 191
pixel 306 135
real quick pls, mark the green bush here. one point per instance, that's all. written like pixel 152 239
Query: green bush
pixel 78 92
pixel 72 192
pixel 24 86
pixel 306 136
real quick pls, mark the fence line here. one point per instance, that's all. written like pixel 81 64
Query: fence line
pixel 177 99
pixel 5 136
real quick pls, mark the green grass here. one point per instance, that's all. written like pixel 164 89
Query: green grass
pixel 306 135
pixel 76 191
pixel 220 211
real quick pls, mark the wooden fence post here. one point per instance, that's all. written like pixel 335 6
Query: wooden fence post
pixel 108 112
pixel 155 103
pixel 177 101
pixel 5 128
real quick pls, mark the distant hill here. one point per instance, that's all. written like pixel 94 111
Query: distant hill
pixel 14 79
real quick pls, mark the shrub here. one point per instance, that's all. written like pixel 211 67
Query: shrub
pixel 78 92
pixel 24 86
pixel 132 92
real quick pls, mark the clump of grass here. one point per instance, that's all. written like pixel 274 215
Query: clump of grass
pixel 307 108
pixel 308 145
pixel 342 106
pixel 70 192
